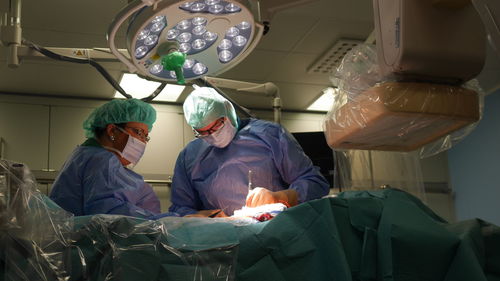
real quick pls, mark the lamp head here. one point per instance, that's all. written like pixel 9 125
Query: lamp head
pixel 214 35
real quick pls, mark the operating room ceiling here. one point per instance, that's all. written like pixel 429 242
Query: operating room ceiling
pixel 298 37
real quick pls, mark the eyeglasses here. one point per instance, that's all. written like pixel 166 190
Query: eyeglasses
pixel 219 124
pixel 140 133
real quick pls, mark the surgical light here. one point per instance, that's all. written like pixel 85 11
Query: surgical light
pixel 214 35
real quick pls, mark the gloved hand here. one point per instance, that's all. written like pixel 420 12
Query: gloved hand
pixel 261 196
pixel 217 213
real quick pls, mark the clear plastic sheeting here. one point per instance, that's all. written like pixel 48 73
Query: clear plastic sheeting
pixel 371 170
pixel 353 236
pixel 357 72
pixel 33 230
pixel 41 241
pixel 371 114
pixel 124 248
pixel 490 15
pixel 379 128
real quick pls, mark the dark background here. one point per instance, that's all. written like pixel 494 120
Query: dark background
pixel 315 146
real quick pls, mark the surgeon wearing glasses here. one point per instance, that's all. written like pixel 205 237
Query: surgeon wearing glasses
pixel 97 178
pixel 212 171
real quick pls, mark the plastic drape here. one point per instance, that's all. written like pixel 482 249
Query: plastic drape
pixel 41 241
pixel 370 170
pixel 374 114
pixel 33 230
pixel 380 128
pixel 489 14
pixel 381 235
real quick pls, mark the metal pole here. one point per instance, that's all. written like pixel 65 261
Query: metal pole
pixel 10 31
pixel 371 168
pixel 2 147
pixel 277 109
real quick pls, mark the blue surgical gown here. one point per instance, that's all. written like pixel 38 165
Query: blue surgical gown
pixel 207 177
pixel 93 181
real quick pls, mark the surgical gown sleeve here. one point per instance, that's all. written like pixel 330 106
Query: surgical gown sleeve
pixel 297 169
pixel 184 197
pixel 109 188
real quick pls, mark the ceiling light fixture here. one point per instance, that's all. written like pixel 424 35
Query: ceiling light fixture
pixel 140 88
pixel 212 35
pixel 325 101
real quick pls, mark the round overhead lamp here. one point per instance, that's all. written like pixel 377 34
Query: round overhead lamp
pixel 206 37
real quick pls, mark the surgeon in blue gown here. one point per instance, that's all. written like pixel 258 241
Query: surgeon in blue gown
pixel 96 178
pixel 214 170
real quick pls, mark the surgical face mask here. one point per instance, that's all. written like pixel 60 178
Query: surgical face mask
pixel 221 138
pixel 133 150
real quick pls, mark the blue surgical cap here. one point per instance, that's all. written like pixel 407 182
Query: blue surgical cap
pixel 119 111
pixel 204 105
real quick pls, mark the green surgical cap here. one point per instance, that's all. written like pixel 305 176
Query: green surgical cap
pixel 204 105
pixel 119 111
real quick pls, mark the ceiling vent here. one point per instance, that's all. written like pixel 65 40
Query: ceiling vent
pixel 327 63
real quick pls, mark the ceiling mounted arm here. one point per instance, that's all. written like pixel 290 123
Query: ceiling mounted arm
pixel 267 89
pixel 10 31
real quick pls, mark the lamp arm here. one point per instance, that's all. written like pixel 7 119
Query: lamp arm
pixel 269 89
pixel 209 83
pixel 11 32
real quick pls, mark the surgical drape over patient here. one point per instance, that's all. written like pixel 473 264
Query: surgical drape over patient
pixel 119 111
pixel 364 235
pixel 204 105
